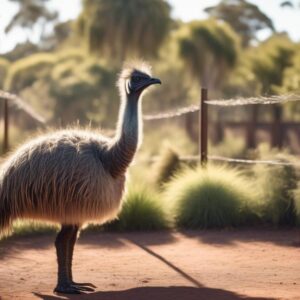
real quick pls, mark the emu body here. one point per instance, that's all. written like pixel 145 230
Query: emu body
pixel 74 176
pixel 62 177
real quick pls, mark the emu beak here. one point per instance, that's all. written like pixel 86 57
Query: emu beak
pixel 154 81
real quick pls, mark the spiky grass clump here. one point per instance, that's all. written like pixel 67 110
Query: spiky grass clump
pixel 215 197
pixel 277 185
pixel 142 210
pixel 166 167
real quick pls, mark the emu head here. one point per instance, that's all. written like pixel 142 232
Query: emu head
pixel 134 80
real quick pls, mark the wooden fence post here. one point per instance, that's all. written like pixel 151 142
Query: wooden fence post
pixel 6 124
pixel 203 128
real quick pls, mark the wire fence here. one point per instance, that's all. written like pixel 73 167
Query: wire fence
pixel 264 100
pixel 22 105
pixel 261 100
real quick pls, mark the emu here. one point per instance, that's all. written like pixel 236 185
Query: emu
pixel 74 176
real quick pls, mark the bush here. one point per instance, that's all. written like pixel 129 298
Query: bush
pixel 276 185
pixel 21 228
pixel 215 197
pixel 142 210
pixel 166 167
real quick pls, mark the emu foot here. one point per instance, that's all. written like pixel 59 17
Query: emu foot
pixel 67 288
pixel 84 286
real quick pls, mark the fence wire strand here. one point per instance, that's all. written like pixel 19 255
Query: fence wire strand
pixel 173 113
pixel 229 160
pixel 264 100
pixel 276 99
pixel 20 104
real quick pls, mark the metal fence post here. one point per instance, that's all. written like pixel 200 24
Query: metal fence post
pixel 203 128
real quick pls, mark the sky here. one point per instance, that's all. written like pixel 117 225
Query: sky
pixel 284 19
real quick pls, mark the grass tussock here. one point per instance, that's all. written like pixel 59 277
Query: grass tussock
pixel 277 186
pixel 215 197
pixel 142 210
pixel 166 166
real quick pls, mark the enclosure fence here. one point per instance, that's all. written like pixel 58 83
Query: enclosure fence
pixel 9 98
pixel 202 108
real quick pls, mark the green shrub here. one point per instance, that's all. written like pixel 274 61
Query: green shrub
pixel 166 166
pixel 142 210
pixel 215 197
pixel 21 228
pixel 297 204
pixel 276 185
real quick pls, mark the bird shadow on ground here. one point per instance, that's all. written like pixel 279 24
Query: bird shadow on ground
pixel 229 237
pixel 153 292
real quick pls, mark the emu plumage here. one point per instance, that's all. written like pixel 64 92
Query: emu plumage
pixel 74 176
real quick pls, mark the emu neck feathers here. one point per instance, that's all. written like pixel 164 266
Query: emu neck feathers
pixel 127 139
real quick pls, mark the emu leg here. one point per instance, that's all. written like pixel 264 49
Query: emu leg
pixel 82 286
pixel 62 244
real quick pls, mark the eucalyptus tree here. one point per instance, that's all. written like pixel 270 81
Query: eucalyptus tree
pixel 121 28
pixel 209 49
pixel 244 17
pixel 270 61
pixel 30 13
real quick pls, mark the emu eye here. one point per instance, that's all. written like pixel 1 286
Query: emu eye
pixel 136 79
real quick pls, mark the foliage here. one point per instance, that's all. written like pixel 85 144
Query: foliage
pixel 21 228
pixel 74 82
pixel 244 17
pixel 270 60
pixel 231 146
pixel 166 166
pixel 209 48
pixel 30 12
pixel 213 197
pixel 26 71
pixel 276 185
pixel 142 210
pixel 4 65
pixel 121 28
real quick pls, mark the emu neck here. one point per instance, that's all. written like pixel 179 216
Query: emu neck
pixel 127 138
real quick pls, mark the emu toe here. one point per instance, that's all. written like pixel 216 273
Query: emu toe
pixel 85 285
pixel 67 288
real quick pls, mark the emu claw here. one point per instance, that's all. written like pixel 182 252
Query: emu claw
pixel 86 284
pixel 83 287
pixel 67 288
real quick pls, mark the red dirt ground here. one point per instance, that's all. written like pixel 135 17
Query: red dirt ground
pixel 192 265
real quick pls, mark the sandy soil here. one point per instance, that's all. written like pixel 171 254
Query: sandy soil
pixel 190 265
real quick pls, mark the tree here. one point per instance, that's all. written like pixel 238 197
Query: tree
pixel 210 49
pixel 31 12
pixel 125 28
pixel 269 63
pixel 245 18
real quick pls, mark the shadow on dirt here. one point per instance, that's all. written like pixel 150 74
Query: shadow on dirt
pixel 229 237
pixel 14 245
pixel 150 293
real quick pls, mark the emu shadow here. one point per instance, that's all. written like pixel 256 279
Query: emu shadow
pixel 229 237
pixel 165 293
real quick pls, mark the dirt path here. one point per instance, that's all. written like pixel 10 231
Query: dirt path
pixel 190 265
